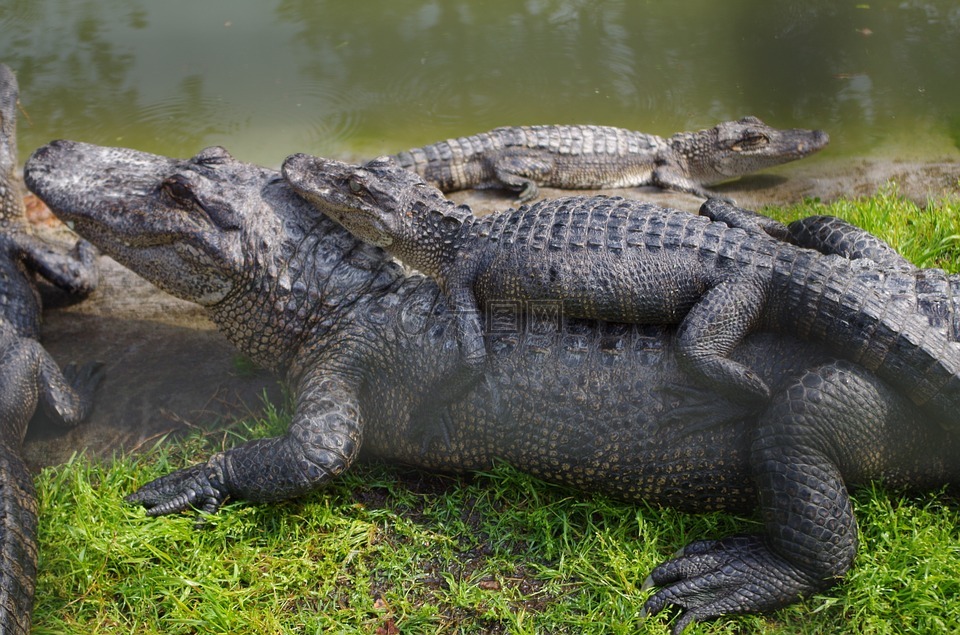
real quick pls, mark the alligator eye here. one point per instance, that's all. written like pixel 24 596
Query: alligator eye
pixel 176 188
pixel 751 141
pixel 214 155
pixel 355 185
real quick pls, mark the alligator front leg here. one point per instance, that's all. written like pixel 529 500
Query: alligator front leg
pixel 430 418
pixel 830 422
pixel 712 329
pixel 670 176
pixel 323 440
pixel 523 174
pixel 75 272
pixel 67 396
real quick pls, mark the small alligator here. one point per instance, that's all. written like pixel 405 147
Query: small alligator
pixel 521 158
pixel 594 405
pixel 628 261
pixel 28 375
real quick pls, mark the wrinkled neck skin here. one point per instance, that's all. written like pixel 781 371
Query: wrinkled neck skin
pixel 432 231
pixel 690 150
pixel 303 275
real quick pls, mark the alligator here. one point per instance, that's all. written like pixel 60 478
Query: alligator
pixel 594 405
pixel 29 376
pixel 522 158
pixel 609 258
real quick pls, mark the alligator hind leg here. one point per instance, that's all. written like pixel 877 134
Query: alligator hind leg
pixel 721 211
pixel 523 174
pixel 827 234
pixel 710 332
pixel 829 420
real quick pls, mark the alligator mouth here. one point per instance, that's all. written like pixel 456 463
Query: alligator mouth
pixel 819 139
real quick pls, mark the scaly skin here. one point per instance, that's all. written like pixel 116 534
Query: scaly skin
pixel 521 158
pixel 627 261
pixel 29 376
pixel 598 406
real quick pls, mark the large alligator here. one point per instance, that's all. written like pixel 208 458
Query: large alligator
pixel 28 375
pixel 598 406
pixel 521 158
pixel 629 261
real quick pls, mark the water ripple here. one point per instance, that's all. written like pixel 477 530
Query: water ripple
pixel 181 124
pixel 329 115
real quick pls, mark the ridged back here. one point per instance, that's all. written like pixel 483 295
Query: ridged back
pixel 896 323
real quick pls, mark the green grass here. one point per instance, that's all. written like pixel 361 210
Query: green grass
pixel 385 550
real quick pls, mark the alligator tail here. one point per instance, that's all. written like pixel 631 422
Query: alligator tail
pixel 897 324
pixel 18 542
pixel 454 164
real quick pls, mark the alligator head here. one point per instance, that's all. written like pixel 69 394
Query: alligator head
pixel 226 234
pixel 354 196
pixel 735 148
pixel 381 203
pixel 153 214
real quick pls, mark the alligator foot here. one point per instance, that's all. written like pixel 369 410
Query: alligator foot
pixel 75 272
pixel 722 210
pixel 198 487
pixel 696 410
pixel 738 574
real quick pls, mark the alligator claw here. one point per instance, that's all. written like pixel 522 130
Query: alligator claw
pixel 199 487
pixel 711 578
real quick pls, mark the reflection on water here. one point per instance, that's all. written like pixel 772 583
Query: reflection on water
pixel 267 78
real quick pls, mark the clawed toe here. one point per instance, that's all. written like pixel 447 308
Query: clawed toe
pixel 198 488
pixel 711 578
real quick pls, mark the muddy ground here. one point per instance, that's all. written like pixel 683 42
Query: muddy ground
pixel 169 371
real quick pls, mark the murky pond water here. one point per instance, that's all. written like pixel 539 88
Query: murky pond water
pixel 270 77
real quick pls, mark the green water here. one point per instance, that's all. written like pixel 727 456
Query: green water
pixel 266 78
